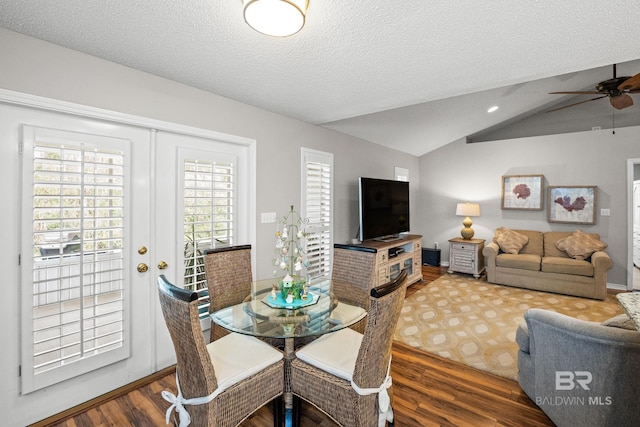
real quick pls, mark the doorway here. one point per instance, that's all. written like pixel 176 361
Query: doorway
pixel 91 212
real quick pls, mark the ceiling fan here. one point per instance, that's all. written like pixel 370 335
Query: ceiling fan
pixel 617 89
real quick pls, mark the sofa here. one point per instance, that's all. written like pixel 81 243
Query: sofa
pixel 580 373
pixel 571 263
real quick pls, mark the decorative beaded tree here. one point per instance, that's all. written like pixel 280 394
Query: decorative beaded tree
pixel 291 255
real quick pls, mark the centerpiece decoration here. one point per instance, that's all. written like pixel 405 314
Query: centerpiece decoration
pixel 291 260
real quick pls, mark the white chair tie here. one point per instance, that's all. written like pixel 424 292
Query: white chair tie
pixel 179 401
pixel 384 402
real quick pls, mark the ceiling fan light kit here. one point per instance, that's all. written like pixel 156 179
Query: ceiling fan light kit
pixel 278 18
pixel 617 89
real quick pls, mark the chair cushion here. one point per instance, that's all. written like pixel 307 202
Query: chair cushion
pixel 580 245
pixel 510 241
pixel 622 321
pixel 335 353
pixel 236 357
pixel 346 313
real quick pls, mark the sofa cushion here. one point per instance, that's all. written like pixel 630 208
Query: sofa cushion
pixel 580 245
pixel 510 241
pixel 519 261
pixel 550 240
pixel 563 265
pixel 534 246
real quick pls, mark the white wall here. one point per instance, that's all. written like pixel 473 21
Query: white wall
pixel 459 172
pixel 40 68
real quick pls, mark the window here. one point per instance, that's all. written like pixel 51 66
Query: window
pixel 77 209
pixel 209 201
pixel 317 207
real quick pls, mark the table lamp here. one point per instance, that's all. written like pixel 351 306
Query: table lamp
pixel 467 210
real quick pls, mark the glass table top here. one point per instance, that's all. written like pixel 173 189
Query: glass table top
pixel 263 315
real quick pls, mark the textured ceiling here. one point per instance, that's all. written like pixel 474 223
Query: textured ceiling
pixel 412 75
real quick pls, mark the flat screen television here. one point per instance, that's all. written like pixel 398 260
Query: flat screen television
pixel 384 208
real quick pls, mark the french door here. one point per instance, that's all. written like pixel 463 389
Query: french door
pixel 96 211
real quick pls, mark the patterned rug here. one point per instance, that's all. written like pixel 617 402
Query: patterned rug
pixel 474 322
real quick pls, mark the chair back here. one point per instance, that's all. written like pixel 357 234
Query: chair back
pixel 195 370
pixel 229 275
pixel 353 273
pixel 385 304
pixel 229 278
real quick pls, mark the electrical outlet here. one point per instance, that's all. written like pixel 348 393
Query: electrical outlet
pixel 605 212
pixel 268 217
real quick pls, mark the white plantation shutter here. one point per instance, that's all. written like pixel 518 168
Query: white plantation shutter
pixel 209 216
pixel 75 293
pixel 317 207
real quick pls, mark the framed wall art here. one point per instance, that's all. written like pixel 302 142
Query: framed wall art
pixel 522 192
pixel 573 204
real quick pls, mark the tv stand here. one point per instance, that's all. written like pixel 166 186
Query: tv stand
pixel 387 239
pixel 408 256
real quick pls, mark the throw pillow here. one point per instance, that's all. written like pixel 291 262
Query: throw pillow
pixel 620 321
pixel 510 241
pixel 580 245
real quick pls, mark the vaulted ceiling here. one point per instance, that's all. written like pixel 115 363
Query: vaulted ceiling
pixel 409 74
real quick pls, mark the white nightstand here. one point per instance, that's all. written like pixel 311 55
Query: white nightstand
pixel 465 256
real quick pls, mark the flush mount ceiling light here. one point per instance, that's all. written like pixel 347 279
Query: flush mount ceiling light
pixel 279 18
pixel 493 109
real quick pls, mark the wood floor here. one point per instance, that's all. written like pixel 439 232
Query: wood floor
pixel 428 391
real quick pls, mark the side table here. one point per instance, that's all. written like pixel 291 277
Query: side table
pixel 465 256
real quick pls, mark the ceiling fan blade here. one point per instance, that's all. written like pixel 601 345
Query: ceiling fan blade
pixel 582 92
pixel 632 83
pixel 620 102
pixel 577 103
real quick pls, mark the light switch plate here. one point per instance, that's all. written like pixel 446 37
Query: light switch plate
pixel 605 212
pixel 268 217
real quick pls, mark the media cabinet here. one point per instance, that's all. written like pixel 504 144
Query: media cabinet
pixel 391 257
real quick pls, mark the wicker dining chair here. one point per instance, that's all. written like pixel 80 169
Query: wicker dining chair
pixel 229 277
pixel 221 383
pixel 347 374
pixel 352 277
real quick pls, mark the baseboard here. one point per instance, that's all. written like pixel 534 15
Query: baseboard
pixel 616 287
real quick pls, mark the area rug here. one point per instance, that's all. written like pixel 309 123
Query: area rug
pixel 474 322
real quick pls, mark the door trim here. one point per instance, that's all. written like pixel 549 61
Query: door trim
pixel 630 178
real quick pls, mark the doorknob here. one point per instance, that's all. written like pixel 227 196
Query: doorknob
pixel 162 265
pixel 142 250
pixel 142 267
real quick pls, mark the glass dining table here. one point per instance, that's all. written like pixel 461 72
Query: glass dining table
pixel 328 307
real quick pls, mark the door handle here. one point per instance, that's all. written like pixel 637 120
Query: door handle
pixel 162 265
pixel 142 267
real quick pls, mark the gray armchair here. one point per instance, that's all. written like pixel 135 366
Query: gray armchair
pixel 580 373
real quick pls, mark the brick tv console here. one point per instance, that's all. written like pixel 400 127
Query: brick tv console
pixel 392 257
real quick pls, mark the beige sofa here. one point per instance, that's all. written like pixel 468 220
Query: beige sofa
pixel 541 266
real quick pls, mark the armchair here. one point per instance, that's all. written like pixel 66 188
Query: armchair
pixel 579 373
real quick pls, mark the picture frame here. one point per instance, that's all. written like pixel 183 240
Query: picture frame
pixel 573 204
pixel 522 192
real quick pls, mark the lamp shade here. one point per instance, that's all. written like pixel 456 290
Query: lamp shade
pixel 278 18
pixel 468 209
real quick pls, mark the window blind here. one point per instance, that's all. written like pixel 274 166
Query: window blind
pixel 208 200
pixel 318 209
pixel 78 228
